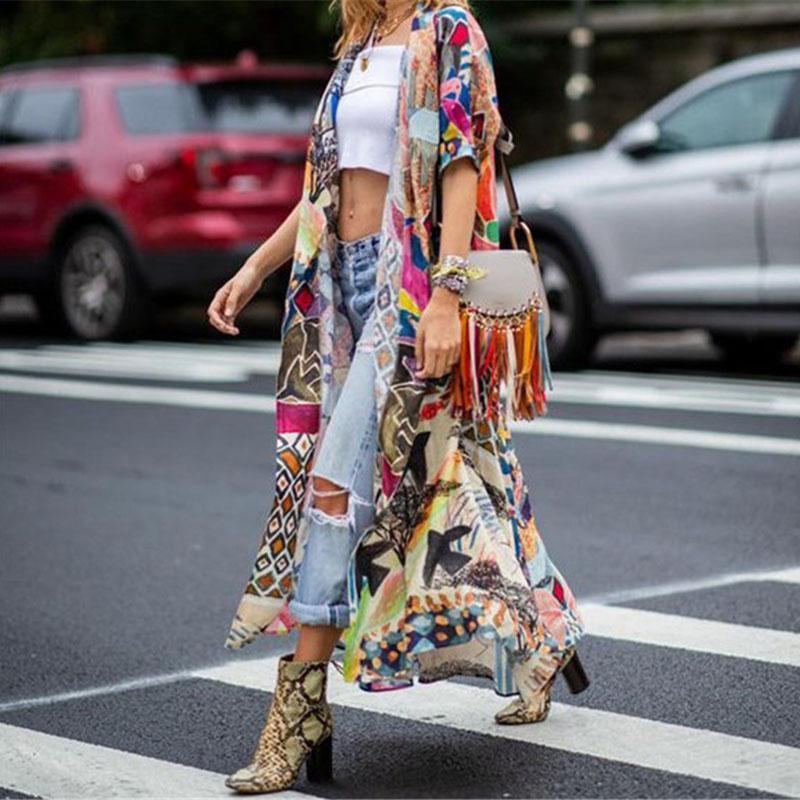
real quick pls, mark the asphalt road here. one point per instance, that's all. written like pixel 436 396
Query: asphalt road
pixel 133 485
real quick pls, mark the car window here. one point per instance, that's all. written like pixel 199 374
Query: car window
pixel 42 115
pixel 256 106
pixel 787 125
pixel 157 108
pixel 5 99
pixel 740 112
pixel 232 106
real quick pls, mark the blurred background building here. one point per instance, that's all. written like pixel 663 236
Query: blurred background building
pixel 634 53
pixel 146 148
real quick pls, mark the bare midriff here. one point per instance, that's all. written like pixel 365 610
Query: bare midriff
pixel 362 193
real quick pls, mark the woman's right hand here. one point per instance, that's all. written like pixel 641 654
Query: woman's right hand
pixel 232 297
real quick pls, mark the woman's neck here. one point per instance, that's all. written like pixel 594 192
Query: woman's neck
pixel 394 7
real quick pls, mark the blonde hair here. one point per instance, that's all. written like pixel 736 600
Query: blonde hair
pixel 357 16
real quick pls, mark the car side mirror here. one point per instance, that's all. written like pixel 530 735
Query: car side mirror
pixel 640 138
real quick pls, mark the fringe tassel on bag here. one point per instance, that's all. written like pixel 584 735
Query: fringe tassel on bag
pixel 501 353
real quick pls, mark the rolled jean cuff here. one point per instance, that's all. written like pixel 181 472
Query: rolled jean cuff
pixel 336 615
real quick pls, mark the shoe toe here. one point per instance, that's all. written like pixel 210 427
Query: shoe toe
pixel 249 780
pixel 518 713
pixel 509 713
pixel 243 780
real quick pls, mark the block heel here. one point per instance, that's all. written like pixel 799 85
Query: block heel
pixel 574 674
pixel 319 766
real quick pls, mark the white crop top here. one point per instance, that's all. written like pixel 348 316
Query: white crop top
pixel 366 117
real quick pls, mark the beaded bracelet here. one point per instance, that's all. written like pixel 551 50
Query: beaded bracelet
pixel 452 281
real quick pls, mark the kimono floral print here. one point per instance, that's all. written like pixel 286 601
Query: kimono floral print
pixel 452 577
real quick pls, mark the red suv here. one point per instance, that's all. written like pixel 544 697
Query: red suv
pixel 127 179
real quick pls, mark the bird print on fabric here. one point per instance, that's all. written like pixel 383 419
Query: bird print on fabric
pixel 440 554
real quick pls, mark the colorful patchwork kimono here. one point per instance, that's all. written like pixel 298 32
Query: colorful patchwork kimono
pixel 452 578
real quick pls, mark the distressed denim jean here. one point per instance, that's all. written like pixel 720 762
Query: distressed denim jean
pixel 346 454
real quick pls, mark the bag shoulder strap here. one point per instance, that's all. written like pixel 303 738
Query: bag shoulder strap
pixel 504 144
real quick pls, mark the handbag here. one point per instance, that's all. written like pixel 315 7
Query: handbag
pixel 505 319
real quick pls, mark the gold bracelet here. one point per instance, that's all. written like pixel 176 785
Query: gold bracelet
pixel 456 265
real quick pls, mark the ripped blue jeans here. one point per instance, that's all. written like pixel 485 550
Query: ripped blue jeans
pixel 346 454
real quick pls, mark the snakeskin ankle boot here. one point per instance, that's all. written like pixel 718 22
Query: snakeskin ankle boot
pixel 533 703
pixel 299 727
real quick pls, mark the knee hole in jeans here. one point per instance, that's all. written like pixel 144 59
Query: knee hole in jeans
pixel 339 514
pixel 329 501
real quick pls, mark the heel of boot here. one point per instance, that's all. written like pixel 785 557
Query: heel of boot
pixel 319 766
pixel 574 674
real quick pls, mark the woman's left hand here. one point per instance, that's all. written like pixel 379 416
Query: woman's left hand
pixel 438 342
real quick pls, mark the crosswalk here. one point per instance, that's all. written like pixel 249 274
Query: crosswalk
pixel 51 766
pixel 40 764
pixel 208 376
pixel 235 362
pixel 265 404
pixel 702 754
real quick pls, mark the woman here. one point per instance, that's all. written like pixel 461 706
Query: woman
pixel 394 521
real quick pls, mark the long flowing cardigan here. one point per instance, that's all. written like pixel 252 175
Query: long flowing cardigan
pixel 453 576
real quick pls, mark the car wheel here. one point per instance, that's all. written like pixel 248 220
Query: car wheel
pixel 572 336
pixel 98 292
pixel 753 349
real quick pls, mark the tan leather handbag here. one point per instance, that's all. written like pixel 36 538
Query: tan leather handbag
pixel 505 319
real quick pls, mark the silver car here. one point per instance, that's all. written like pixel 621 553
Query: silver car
pixel 688 218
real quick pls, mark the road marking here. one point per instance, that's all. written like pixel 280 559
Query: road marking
pixel 94 691
pixel 254 403
pixel 171 369
pixel 789 575
pixel 641 742
pixel 44 765
pixel 703 382
pixel 133 393
pixel 721 401
pixel 207 363
pixel 652 434
pixel 633 740
pixel 692 633
pixel 236 361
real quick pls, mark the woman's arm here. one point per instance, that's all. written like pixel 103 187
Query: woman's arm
pixel 237 292
pixel 438 340
pixel 467 122
pixel 277 249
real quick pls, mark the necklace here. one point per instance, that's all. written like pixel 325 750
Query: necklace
pixel 383 26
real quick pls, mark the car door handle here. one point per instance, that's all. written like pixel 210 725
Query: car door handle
pixel 59 165
pixel 733 183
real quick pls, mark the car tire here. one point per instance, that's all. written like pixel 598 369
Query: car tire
pixel 752 349
pixel 572 335
pixel 96 292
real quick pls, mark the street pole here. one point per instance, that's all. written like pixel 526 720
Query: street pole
pixel 579 85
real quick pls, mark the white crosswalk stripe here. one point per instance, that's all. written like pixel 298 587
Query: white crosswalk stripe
pixel 720 395
pixel 49 766
pixel 689 633
pixel 251 402
pixel 789 575
pixel 236 361
pixel 677 749
pixel 54 767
